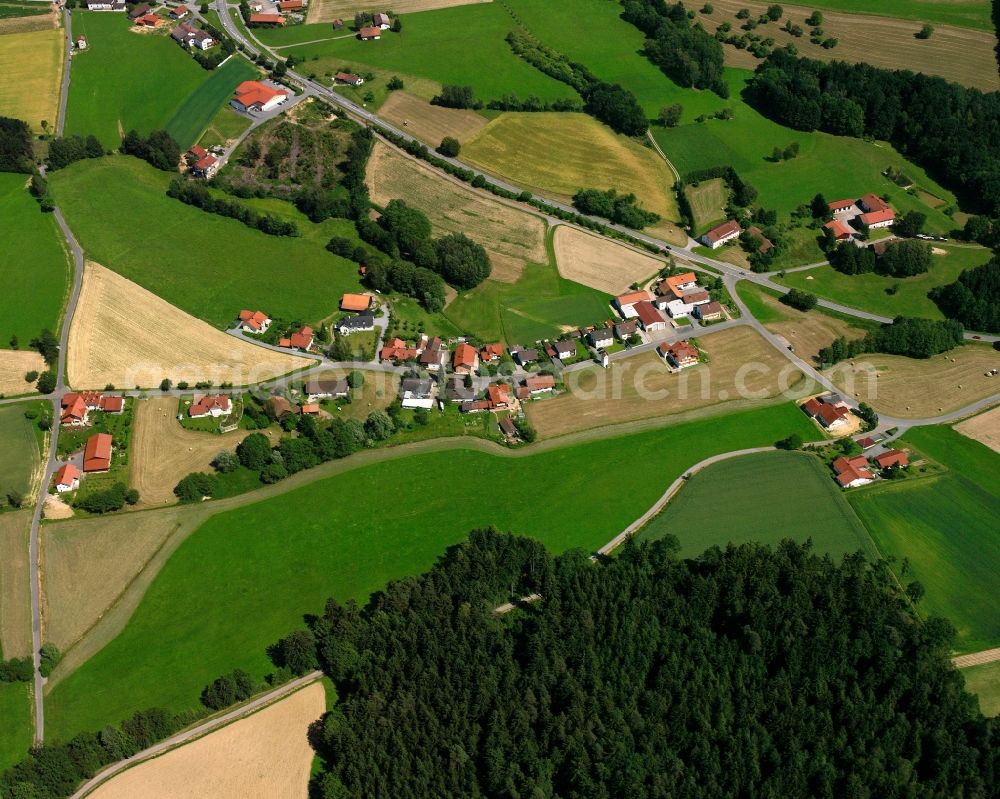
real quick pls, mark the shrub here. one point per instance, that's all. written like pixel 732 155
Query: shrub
pixel 802 300
pixel 30 377
pixel 49 656
pixel 449 147
pixel 195 487
pixel 254 451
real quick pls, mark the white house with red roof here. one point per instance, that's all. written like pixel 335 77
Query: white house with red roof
pixel 254 321
pixel 97 453
pixel 852 472
pixel 301 339
pixel 67 478
pixel 255 97
pixel 625 303
pixel 215 406
pixel 721 234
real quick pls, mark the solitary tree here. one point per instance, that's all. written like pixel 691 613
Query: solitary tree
pixel 449 147
pixel 670 115
pixel 925 32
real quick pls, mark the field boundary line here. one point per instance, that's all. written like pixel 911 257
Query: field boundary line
pixel 194 733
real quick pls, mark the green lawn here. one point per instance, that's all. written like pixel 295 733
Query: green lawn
pixel 207 265
pixel 225 125
pixel 947 527
pixel 764 498
pixel 835 166
pixel 16 731
pixel 19 447
pixel 203 104
pixel 751 294
pixel 984 681
pixel 708 203
pixel 964 13
pixel 33 265
pixel 434 45
pixel 126 80
pixel 246 576
pixel 869 292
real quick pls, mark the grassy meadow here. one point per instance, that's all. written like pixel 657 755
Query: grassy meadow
pixel 200 107
pixel 19 445
pixel 34 265
pixel 946 527
pixel 206 612
pixel 769 497
pixel 225 125
pixel 708 203
pixel 984 681
pixel 870 292
pixel 207 265
pixel 16 731
pixel 31 64
pixel 962 13
pixel 126 80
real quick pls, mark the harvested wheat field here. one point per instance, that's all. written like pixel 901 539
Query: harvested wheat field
pixel 15 605
pixel 31 65
pixel 808 332
pixel 601 263
pixel 641 387
pixel 913 388
pixel 511 236
pixel 163 452
pixel 984 428
pixel 430 123
pixel 264 756
pixel 961 55
pixel 329 10
pixel 125 335
pixel 14 365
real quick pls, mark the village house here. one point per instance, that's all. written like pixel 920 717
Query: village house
pixel 215 406
pixel 840 206
pixel 178 12
pixel 252 321
pixel 148 21
pixel 81 42
pixel 202 163
pixel 709 312
pixel 675 285
pixel 867 442
pixel 852 472
pixel 74 411
pixel 627 329
pixel 396 350
pixel 301 339
pixel 267 19
pixel 474 406
pixel 680 355
pixel 540 384
pixel 318 389
pixel 416 393
pixel 97 453
pixel 68 478
pixel 564 349
pixel 878 219
pixel 871 203
pixel 465 360
pixel 139 11
pixel 766 245
pixel 382 21
pixel 310 409
pixel 338 24
pixel 507 428
pixel 838 230
pixel 827 413
pixel 721 234
pixel 356 302
pixel 491 353
pixel 431 358
pixel 356 324
pixel 348 78
pixel 252 96
pixel 523 356
pixel 625 303
pixel 291 5
pixel 601 337
pixel 369 32
pixel 456 391
pixel 498 396
pixel 278 407
pixel 649 318
pixel 892 459
pixel 189 36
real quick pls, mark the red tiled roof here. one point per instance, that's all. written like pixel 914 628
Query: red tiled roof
pixel 355 302
pixel 204 404
pixel 840 205
pixel 112 404
pixel 727 228
pixel 200 152
pixel 497 395
pixel 631 298
pixel 893 457
pixel 74 409
pixel 540 383
pixel 269 19
pixel 67 474
pixel 204 163
pixel 850 469
pixel 97 453
pixel 465 356
pixel 369 32
pixel 254 319
pixel 829 414
pixel 648 314
pixel 492 352
pixel 302 339
pixel 252 92
pixel 874 203
pixel 682 352
pixel 885 215
pixel 839 229
pixel 290 5
pixel 311 408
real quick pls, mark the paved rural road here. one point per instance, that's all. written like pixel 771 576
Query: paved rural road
pixel 67 61
pixel 196 732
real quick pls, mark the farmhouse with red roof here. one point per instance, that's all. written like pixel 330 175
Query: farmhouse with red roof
pixel 253 96
pixel 97 453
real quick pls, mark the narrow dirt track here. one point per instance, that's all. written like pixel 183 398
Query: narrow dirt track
pixel 976 658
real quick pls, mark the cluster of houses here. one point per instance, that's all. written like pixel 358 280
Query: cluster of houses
pixel 830 412
pixel 851 472
pixel 96 458
pixel 678 295
pixel 380 22
pixel 187 35
pixel 76 407
pixel 202 163
pixel 870 212
pixel 257 323
pixel 257 97
pixel 730 230
pixel 214 406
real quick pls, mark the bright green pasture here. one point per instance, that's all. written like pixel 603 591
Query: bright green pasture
pixel 126 80
pixel 708 203
pixel 16 728
pixel 984 681
pixel 964 13
pixel 247 576
pixel 225 125
pixel 765 498
pixel 462 45
pixel 18 447
pixel 869 292
pixel 196 112
pixel 207 265
pixel 946 527
pixel 835 166
pixel 34 267
pixel 762 311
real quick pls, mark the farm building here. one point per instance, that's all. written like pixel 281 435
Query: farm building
pixel 649 318
pixel 301 339
pixel 250 321
pixel 766 245
pixel 148 21
pixel 828 414
pixel 279 406
pixel 491 352
pixel 565 349
pixel 838 230
pixel 625 303
pixel 348 78
pixel 214 406
pixel 254 96
pixel 356 324
pixel 291 5
pixel 97 453
pixel 498 396
pixel 432 356
pixel 179 12
pixel 74 411
pixel 338 24
pixel 540 384
pixel 310 409
pixel 139 11
pixel 839 206
pixel 893 459
pixel 474 406
pixel 465 360
pixel 416 393
pixel 267 19
pixel 852 472
pixel 709 312
pixel 355 302
pixel 601 338
pixel 396 350
pixel 317 389
pixel 369 32
pixel 507 428
pixel 878 219
pixel 68 478
pixel 721 234
pixel 872 203
pixel 382 21
pixel 680 355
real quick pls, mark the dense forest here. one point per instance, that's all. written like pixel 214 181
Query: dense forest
pixel 745 673
pixel 973 299
pixel 952 131
pixel 914 338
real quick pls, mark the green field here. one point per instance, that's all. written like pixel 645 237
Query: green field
pixel 869 292
pixel 126 80
pixel 947 527
pixel 751 294
pixel 34 267
pixel 225 125
pixel 963 13
pixel 745 142
pixel 196 112
pixel 246 576
pixel 433 44
pixel 984 681
pixel 537 306
pixel 19 445
pixel 764 498
pixel 16 729
pixel 708 203
pixel 207 265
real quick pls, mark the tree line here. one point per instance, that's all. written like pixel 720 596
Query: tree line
pixel 900 259
pixel 974 298
pixel 914 338
pixel 622 209
pixel 948 129
pixel 191 192
pixel 16 153
pixel 748 671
